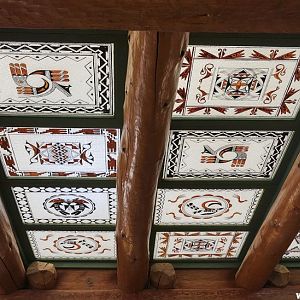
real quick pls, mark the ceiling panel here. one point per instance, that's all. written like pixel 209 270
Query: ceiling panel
pixel 205 207
pixel 293 251
pixel 57 205
pixel 56 78
pixel 68 152
pixel 239 82
pixel 199 245
pixel 224 154
pixel 81 245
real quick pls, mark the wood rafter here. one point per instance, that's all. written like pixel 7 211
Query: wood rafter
pixel 274 236
pixel 189 15
pixel 152 76
pixel 12 272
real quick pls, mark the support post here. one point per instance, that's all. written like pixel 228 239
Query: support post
pixel 152 76
pixel 12 272
pixel 275 235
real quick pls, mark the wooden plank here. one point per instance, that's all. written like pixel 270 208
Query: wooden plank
pixel 190 284
pixel 159 15
pixel 152 76
pixel 275 235
pixel 12 273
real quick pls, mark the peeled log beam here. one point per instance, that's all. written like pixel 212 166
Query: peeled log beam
pixel 160 15
pixel 152 75
pixel 275 235
pixel 12 272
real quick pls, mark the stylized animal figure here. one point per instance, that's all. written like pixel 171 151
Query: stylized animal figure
pixel 217 156
pixel 40 82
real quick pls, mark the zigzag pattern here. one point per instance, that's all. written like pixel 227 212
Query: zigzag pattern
pixel 104 76
pixel 174 151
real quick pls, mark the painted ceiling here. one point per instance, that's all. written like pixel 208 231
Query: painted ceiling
pixel 235 133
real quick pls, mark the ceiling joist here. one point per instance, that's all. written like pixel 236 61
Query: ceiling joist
pixel 158 15
pixel 152 77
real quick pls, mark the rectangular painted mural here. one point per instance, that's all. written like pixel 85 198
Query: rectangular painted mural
pixel 55 78
pixel 80 245
pixel 205 207
pixel 225 154
pixel 239 82
pixel 68 152
pixel 67 205
pixel 198 245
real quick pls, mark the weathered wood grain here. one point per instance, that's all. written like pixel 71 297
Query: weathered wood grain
pixel 152 76
pixel 274 236
pixel 274 16
pixel 12 272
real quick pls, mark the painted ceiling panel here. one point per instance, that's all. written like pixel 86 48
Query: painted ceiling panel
pixel 239 82
pixel 199 245
pixel 81 245
pixel 293 251
pixel 48 205
pixel 55 78
pixel 225 154
pixel 205 207
pixel 69 152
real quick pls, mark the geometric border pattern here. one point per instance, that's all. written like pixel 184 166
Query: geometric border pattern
pixel 26 213
pixel 172 159
pixel 163 238
pixel 111 137
pixel 244 55
pixel 161 200
pixel 35 247
pixel 293 251
pixel 103 62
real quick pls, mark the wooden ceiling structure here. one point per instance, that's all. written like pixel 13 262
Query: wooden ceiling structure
pixel 158 38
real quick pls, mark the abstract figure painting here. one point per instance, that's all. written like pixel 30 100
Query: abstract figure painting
pixel 239 82
pixel 205 207
pixel 40 78
pixel 225 154
pixel 71 152
pixel 79 245
pixel 55 205
pixel 198 245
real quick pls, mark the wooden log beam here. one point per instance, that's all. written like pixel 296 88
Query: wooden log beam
pixel 208 284
pixel 275 235
pixel 12 272
pixel 160 15
pixel 152 75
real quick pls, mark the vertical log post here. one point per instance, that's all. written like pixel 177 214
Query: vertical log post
pixel 12 272
pixel 152 76
pixel 275 235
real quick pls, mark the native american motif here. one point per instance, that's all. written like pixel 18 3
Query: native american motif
pixel 60 153
pixel 76 152
pixel 57 78
pixel 66 205
pixel 216 207
pixel 218 156
pixel 200 245
pixel 76 244
pixel 238 82
pixel 69 206
pixel 73 244
pixel 40 82
pixel 224 154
